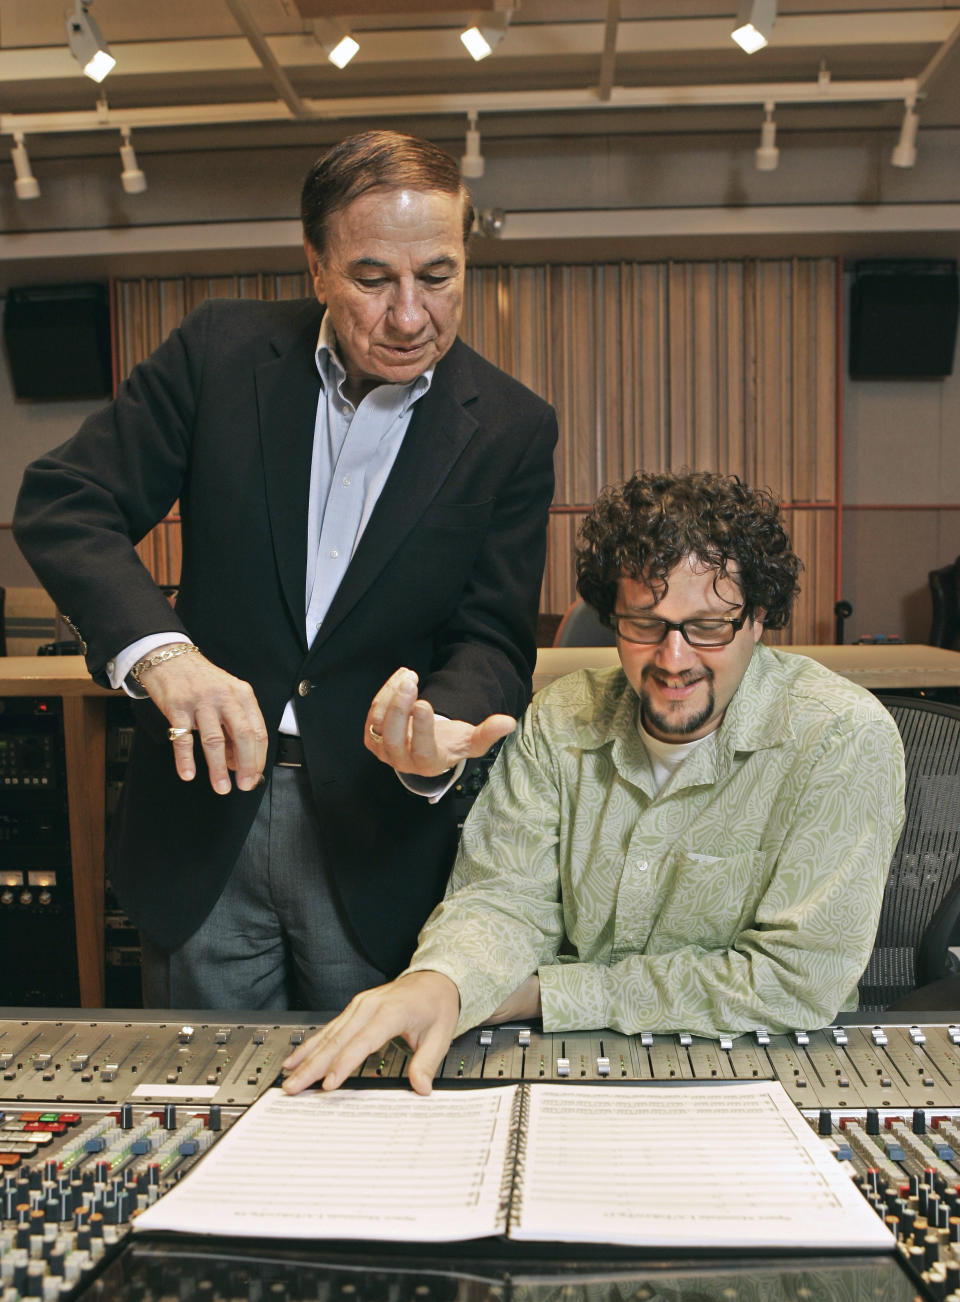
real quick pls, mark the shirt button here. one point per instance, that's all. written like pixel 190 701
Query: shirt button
pixel 334 553
pixel 346 481
pixel 346 410
pixel 303 687
pixel 641 865
pixel 111 666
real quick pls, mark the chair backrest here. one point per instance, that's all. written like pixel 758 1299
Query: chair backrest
pixel 945 601
pixel 920 917
pixel 581 626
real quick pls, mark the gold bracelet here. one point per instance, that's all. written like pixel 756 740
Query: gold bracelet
pixel 158 657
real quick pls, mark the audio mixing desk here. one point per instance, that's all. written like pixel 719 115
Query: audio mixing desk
pixel 103 1111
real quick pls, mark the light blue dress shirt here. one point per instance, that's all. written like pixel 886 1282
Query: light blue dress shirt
pixel 354 449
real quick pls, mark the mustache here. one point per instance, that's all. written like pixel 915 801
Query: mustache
pixel 684 679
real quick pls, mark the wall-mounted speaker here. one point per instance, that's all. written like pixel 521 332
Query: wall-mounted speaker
pixel 903 318
pixel 57 339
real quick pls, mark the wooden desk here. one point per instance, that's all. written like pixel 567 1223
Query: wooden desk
pixel 877 667
pixel 84 736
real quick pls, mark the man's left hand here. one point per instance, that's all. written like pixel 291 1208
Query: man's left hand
pixel 403 731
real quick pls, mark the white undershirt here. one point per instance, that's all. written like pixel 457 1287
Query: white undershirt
pixel 666 756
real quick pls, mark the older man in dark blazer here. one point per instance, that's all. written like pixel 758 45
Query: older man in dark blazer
pixel 363 503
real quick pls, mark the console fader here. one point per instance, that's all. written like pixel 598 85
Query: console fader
pixel 99 1115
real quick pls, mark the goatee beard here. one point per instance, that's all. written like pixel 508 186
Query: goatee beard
pixel 668 724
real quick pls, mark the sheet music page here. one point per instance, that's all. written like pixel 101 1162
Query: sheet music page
pixel 712 1166
pixel 357 1164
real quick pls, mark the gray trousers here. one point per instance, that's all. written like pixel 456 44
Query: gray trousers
pixel 277 937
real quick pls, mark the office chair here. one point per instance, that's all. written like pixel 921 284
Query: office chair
pixel 581 626
pixel 945 599
pixel 920 917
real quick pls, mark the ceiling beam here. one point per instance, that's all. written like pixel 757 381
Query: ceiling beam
pixel 397 8
pixel 608 59
pixel 803 220
pixel 281 82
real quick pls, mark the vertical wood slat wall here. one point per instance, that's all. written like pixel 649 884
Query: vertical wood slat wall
pixel 726 366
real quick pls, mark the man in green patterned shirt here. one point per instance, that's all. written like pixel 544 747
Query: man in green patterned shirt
pixel 696 840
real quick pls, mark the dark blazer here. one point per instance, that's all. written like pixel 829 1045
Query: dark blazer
pixel 445 580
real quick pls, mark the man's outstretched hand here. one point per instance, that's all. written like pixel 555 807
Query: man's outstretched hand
pixel 403 731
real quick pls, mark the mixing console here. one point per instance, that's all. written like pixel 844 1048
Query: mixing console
pixel 99 1115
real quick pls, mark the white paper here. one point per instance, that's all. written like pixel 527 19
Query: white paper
pixel 706 1166
pixel 357 1164
pixel 712 1166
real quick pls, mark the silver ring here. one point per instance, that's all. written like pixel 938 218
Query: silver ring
pixel 377 736
pixel 174 733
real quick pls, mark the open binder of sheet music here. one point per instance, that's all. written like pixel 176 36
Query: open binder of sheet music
pixel 711 1166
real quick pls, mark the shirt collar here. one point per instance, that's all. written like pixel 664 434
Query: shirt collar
pixel 333 372
pixel 758 717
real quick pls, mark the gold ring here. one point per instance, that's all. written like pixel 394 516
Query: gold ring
pixel 174 733
pixel 377 736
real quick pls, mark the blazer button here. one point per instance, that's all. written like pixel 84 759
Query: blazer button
pixel 304 686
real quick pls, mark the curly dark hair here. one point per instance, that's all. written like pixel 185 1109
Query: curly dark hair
pixel 645 528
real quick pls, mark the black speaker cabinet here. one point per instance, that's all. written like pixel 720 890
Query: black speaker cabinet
pixel 903 318
pixel 58 342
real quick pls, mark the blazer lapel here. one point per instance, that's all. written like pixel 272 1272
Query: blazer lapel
pixel 438 432
pixel 288 390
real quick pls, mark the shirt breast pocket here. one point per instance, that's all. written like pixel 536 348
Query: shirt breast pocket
pixel 710 900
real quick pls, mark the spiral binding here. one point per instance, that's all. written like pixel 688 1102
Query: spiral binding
pixel 511 1189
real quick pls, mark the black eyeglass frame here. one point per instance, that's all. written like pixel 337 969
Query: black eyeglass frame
pixel 735 625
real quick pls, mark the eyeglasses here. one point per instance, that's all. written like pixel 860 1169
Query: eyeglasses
pixel 645 630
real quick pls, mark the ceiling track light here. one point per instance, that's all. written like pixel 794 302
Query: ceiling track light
pixel 87 44
pixel 338 45
pixel 483 36
pixel 754 24
pixel 490 222
pixel 26 184
pixel 472 162
pixel 767 155
pixel 132 177
pixel 905 150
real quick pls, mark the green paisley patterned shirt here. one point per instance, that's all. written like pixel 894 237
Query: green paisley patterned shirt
pixel 745 894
